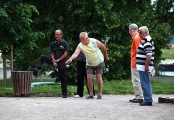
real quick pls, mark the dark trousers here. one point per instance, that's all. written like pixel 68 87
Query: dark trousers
pixel 42 59
pixel 81 76
pixel 63 77
pixel 62 72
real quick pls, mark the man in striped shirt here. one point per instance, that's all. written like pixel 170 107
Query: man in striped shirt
pixel 144 62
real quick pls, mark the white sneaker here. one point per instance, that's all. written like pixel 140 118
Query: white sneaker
pixel 76 96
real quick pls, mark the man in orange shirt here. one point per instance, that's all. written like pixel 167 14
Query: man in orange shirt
pixel 136 40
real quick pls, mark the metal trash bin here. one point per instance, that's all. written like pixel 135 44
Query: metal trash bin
pixel 21 81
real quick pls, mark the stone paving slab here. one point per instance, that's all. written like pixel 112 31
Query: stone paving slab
pixel 166 100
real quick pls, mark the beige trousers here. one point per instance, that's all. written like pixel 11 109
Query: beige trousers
pixel 136 83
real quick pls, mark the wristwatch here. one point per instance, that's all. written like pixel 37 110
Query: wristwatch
pixel 57 60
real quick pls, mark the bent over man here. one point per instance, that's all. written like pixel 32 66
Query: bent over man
pixel 95 61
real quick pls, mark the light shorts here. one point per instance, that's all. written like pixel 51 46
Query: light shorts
pixel 99 69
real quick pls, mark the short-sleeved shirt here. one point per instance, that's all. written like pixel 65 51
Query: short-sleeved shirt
pixel 145 48
pixel 93 54
pixel 136 40
pixel 58 48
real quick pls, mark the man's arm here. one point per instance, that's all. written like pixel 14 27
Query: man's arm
pixel 52 56
pixel 63 56
pixel 103 47
pixel 75 54
pixel 148 59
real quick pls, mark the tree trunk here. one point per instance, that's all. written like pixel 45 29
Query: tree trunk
pixel 4 70
pixel 11 60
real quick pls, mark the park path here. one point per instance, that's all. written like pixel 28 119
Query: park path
pixel 111 107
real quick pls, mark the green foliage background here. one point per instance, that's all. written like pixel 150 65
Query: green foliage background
pixel 30 24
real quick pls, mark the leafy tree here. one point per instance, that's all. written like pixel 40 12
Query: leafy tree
pixel 15 29
pixel 104 18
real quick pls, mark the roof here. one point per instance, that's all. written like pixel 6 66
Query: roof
pixel 172 41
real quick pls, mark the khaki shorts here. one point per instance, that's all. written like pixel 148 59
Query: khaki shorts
pixel 99 69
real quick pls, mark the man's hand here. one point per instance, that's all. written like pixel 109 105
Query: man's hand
pixel 68 61
pixel 54 61
pixel 55 64
pixel 106 58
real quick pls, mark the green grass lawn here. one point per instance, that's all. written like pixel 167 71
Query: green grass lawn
pixel 168 53
pixel 109 87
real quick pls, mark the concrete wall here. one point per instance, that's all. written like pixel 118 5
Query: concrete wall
pixel 8 73
pixel 1 70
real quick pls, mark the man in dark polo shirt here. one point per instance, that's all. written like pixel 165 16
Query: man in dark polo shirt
pixel 59 52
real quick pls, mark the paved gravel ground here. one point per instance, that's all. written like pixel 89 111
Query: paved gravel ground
pixel 111 107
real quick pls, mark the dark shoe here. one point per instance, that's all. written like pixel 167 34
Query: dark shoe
pixel 137 101
pixel 35 72
pixel 131 100
pixel 64 96
pixel 99 97
pixel 145 104
pixel 30 69
pixel 90 97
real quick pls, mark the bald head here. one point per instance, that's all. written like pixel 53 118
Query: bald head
pixel 58 35
pixel 84 37
pixel 83 34
pixel 59 31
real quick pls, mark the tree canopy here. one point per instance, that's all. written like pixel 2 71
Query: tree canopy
pixel 33 22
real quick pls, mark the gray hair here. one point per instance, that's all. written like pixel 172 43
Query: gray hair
pixel 84 34
pixel 60 31
pixel 144 29
pixel 133 26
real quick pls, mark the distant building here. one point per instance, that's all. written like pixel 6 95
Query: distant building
pixel 171 44
pixel 1 69
pixel 166 69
